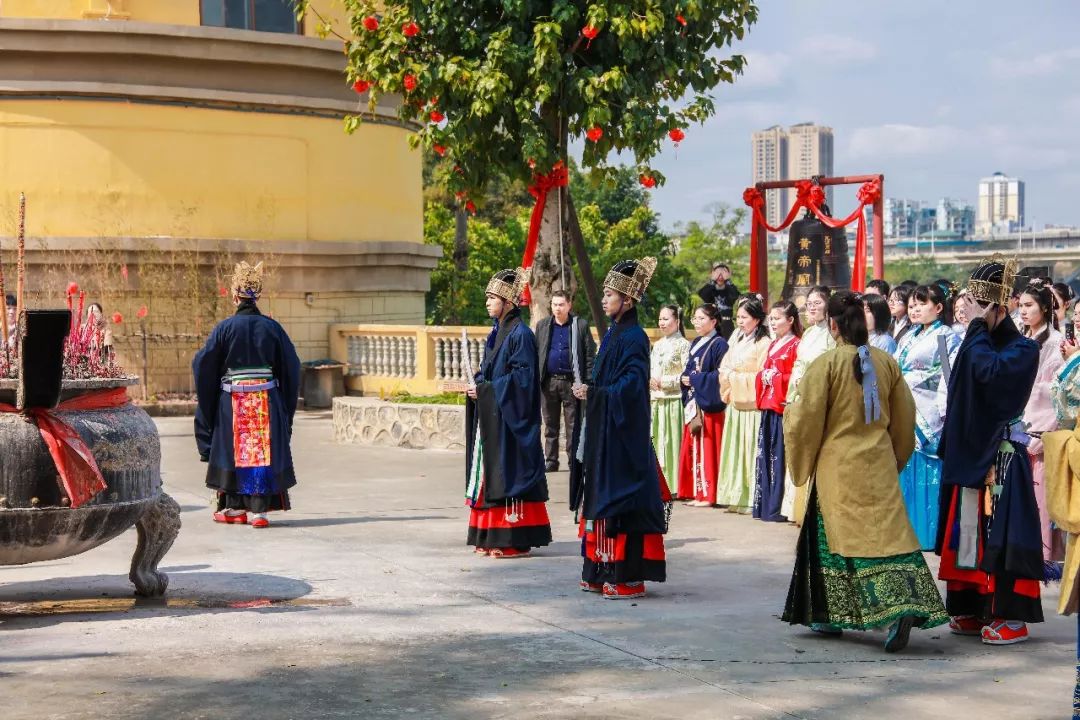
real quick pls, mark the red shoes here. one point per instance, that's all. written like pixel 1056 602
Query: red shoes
pixel 1002 632
pixel 260 521
pixel 223 517
pixel 591 587
pixel 508 553
pixel 965 625
pixel 623 591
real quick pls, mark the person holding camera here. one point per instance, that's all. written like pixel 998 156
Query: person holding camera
pixel 721 292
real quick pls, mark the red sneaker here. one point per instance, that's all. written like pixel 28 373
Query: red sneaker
pixel 223 517
pixel 508 553
pixel 592 587
pixel 623 591
pixel 1000 633
pixel 260 523
pixel 965 625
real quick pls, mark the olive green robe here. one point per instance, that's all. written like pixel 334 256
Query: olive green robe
pixel 854 466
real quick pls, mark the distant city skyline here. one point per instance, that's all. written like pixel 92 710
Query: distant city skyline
pixel 933 109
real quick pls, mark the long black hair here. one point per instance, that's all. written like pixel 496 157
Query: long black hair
pixel 756 309
pixel 935 295
pixel 879 310
pixel 792 313
pixel 1040 292
pixel 846 310
pixel 674 310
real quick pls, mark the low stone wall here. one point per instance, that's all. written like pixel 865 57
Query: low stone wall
pixel 370 421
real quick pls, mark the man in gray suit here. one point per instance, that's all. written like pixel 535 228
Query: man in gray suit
pixel 553 338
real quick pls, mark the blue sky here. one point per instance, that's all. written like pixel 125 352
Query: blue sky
pixel 933 94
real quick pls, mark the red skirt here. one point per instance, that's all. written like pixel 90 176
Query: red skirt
pixel 625 558
pixel 971 591
pixel 702 484
pixel 513 524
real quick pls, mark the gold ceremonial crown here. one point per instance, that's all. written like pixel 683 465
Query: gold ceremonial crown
pixel 247 280
pixel 984 285
pixel 632 285
pixel 511 292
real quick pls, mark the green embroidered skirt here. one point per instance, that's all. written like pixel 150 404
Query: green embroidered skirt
pixel 857 593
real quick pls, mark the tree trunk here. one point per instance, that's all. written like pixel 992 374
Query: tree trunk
pixel 461 262
pixel 552 269
pixel 592 288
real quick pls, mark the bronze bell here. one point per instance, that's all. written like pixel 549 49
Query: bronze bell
pixel 817 255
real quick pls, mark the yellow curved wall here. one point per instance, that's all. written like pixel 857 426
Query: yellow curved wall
pixel 123 169
pixel 173 12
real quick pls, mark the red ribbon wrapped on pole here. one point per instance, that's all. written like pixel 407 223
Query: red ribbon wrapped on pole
pixel 79 473
pixel 557 178
pixel 811 196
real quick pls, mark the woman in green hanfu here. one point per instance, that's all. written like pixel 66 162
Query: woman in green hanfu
pixel 849 431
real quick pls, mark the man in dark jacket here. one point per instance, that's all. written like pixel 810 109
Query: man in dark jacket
pixel 554 336
pixel 722 293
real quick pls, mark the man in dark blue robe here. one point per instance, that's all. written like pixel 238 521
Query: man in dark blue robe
pixel 988 534
pixel 247 377
pixel 506 484
pixel 616 487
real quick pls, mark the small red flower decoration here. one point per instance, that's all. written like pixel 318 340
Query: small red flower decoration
pixel 647 181
pixel 410 83
pixel 440 150
pixel 590 32
pixel 117 318
pixel 361 86
pixel 677 135
pixel 681 20
pixel 143 312
pixel 595 133
pixel 410 29
pixel 72 289
pixel 437 117
pixel 371 23
pixel 471 207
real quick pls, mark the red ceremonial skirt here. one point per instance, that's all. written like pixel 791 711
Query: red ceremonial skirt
pixel 699 459
pixel 624 558
pixel 511 524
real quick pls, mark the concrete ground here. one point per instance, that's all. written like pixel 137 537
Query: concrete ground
pixel 364 603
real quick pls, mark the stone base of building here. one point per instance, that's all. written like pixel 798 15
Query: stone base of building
pixel 368 421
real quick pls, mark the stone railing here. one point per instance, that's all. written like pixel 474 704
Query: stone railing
pixel 419 359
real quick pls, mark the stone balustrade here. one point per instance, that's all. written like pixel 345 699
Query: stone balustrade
pixel 419 359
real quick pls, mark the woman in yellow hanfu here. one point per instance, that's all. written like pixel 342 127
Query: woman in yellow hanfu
pixel 848 431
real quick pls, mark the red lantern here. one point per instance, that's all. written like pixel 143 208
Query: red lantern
pixel 471 207
pixel 437 117
pixel 117 318
pixel 410 83
pixel 681 20
pixel 595 133
pixel 647 181
pixel 143 312
pixel 410 29
pixel 72 289
pixel 371 23
pixel 590 32
pixel 677 135
pixel 361 86
pixel 440 150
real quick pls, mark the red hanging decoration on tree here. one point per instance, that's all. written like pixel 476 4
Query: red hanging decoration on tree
pixel 440 150
pixel 647 181
pixel 361 86
pixel 677 135
pixel 681 20
pixel 595 133
pixel 410 83
pixel 590 32
pixel 371 23
pixel 436 117
pixel 410 29
pixel 471 207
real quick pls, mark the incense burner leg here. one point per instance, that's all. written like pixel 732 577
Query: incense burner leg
pixel 157 529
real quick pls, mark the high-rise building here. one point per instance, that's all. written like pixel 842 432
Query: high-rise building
pixel 900 217
pixel 955 216
pixel 770 164
pixel 810 153
pixel 1001 204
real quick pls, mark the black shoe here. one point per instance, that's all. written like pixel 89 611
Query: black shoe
pixel 899 633
pixel 552 467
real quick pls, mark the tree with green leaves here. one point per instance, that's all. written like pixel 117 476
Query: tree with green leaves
pixel 500 87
